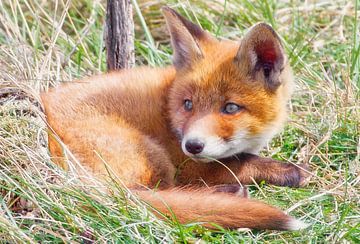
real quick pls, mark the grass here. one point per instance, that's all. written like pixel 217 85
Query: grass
pixel 44 43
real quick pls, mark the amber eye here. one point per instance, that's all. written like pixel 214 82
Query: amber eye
pixel 231 108
pixel 188 105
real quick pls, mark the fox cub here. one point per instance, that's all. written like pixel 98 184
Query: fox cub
pixel 169 127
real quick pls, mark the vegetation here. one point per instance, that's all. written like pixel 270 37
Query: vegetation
pixel 44 43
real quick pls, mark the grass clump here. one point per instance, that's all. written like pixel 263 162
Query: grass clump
pixel 44 43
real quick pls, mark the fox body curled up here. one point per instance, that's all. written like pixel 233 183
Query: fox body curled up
pixel 221 100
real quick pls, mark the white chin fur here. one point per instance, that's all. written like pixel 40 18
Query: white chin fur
pixel 202 160
pixel 295 224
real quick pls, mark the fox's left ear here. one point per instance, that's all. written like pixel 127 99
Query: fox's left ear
pixel 261 54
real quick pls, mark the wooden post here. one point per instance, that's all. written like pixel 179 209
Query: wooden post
pixel 119 35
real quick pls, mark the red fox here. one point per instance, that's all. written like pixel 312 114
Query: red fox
pixel 166 128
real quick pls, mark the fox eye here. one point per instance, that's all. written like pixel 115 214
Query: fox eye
pixel 231 108
pixel 188 105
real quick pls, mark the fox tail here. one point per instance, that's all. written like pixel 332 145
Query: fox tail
pixel 219 208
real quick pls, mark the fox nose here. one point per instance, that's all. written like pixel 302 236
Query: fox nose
pixel 194 146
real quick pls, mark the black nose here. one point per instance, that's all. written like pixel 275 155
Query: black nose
pixel 194 146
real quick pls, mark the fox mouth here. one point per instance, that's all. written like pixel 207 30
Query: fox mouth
pixel 210 158
pixel 202 159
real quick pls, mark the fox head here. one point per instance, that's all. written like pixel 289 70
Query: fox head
pixel 228 97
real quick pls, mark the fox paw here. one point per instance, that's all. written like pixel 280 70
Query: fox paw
pixel 294 176
pixel 305 176
pixel 235 189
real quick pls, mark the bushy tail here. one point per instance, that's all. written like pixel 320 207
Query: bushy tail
pixel 224 209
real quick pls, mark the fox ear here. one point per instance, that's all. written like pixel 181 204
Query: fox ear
pixel 262 55
pixel 185 37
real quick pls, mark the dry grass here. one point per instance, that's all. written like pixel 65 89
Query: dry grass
pixel 43 43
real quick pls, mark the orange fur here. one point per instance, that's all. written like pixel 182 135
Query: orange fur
pixel 134 119
pixel 226 210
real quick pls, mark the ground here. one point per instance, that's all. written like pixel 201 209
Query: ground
pixel 44 43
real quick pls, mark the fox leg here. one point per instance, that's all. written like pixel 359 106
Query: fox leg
pixel 233 189
pixel 253 167
pixel 245 168
pixel 104 145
